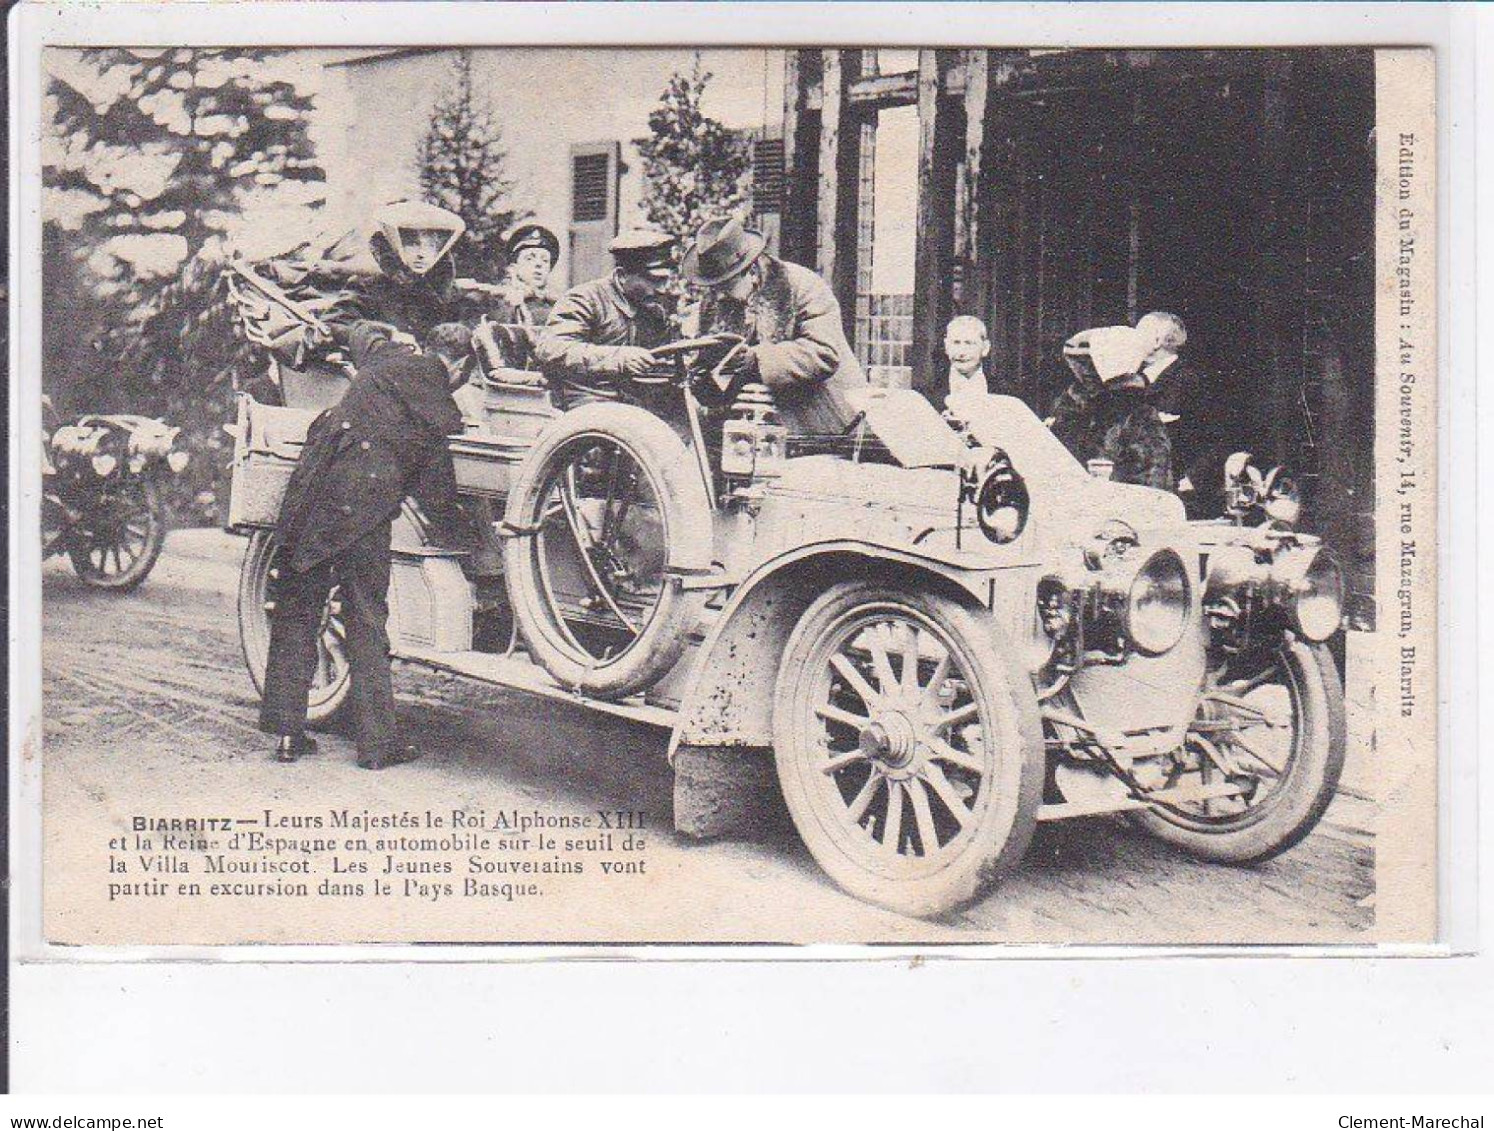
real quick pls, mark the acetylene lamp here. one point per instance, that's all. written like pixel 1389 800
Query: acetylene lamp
pixel 753 439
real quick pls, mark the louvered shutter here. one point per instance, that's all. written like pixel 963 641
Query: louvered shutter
pixel 594 183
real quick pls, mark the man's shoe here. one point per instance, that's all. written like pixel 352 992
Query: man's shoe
pixel 395 756
pixel 293 747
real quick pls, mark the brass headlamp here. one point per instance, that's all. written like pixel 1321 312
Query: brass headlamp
pixel 1294 575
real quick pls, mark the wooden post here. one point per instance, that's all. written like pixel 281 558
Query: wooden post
pixel 839 167
pixel 941 137
pixel 969 233
pixel 999 198
pixel 800 158
pixel 1281 258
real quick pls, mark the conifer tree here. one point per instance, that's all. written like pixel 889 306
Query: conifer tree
pixel 694 167
pixel 463 168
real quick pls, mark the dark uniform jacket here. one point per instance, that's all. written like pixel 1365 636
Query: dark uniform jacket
pixel 384 440
pixel 580 351
pixel 512 305
pixel 794 321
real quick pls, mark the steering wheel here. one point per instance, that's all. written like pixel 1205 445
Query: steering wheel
pixel 691 371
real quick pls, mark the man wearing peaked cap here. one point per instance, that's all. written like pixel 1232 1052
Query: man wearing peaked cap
pixel 601 334
pixel 522 302
pixel 789 318
pixel 643 248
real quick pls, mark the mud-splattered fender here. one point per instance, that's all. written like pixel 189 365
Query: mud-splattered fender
pixel 729 696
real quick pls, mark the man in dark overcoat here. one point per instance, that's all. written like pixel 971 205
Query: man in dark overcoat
pixel 1108 412
pixel 790 320
pixel 384 440
pixel 1180 390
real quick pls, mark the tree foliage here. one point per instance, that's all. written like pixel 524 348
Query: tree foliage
pixel 694 167
pixel 463 168
pixel 151 160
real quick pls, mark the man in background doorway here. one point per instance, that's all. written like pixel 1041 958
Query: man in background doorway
pixel 967 345
pixel 1179 391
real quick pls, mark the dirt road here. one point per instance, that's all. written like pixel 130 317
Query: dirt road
pixel 149 709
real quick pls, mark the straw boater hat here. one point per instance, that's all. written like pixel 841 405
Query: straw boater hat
pixel 722 251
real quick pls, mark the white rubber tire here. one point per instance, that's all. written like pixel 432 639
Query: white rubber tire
pixel 675 481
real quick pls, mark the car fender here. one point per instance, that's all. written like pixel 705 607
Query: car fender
pixel 728 698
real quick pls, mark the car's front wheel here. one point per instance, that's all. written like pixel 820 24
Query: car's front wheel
pixel 1265 750
pixel 909 750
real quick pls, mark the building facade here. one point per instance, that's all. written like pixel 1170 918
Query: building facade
pixel 1059 190
pixel 1042 191
pixel 570 120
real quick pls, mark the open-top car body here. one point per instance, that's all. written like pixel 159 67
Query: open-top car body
pixel 939 631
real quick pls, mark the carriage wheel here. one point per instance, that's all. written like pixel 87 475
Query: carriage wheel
pixel 117 542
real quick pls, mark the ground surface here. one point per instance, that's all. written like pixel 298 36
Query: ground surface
pixel 149 710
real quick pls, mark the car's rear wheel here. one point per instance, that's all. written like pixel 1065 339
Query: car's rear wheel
pixel 909 751
pixel 328 698
pixel 1270 736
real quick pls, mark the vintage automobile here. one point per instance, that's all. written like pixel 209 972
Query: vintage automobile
pixel 101 502
pixel 937 631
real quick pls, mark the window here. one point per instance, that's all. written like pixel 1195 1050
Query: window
pixel 591 187
pixel 767 176
pixel 595 169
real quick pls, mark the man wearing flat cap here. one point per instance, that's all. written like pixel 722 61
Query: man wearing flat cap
pixel 789 318
pixel 600 335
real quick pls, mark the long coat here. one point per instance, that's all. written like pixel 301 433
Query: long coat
pixel 793 321
pixel 1180 393
pixel 1119 422
pixel 383 441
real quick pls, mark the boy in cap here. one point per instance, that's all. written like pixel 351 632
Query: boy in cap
pixel 790 320
pixel 531 254
pixel 522 302
pixel 600 335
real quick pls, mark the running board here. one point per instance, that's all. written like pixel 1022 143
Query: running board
pixel 522 674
